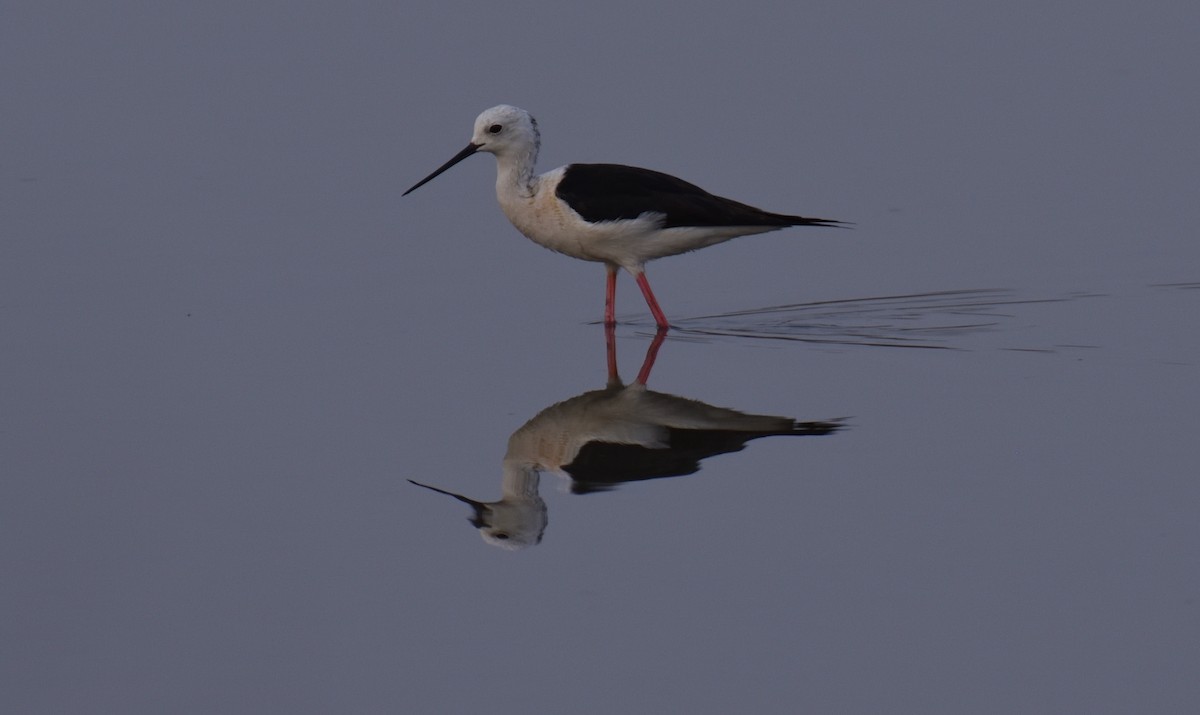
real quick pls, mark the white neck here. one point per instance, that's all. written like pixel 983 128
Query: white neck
pixel 514 173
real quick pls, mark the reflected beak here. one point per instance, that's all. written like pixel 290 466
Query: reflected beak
pixel 468 151
pixel 478 521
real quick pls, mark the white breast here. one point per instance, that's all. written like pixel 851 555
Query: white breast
pixel 549 222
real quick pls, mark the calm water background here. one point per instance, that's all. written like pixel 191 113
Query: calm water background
pixel 227 343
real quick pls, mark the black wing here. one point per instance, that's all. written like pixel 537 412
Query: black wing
pixel 611 192
pixel 600 466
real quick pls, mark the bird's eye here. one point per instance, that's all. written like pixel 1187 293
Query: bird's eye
pixel 495 129
pixel 501 535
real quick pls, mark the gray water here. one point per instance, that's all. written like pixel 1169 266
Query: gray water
pixel 228 345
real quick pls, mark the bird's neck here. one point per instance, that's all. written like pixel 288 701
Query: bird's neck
pixel 514 175
pixel 520 480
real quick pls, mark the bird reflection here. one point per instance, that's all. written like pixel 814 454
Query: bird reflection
pixel 602 438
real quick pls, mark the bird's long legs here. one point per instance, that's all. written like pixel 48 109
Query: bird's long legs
pixel 610 298
pixel 651 356
pixel 610 350
pixel 610 294
pixel 659 318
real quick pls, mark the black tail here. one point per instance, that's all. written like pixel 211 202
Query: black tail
pixel 804 221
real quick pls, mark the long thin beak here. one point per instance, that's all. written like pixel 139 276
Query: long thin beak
pixel 481 510
pixel 459 497
pixel 468 151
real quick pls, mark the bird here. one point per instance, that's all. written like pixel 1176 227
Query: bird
pixel 604 438
pixel 601 439
pixel 621 216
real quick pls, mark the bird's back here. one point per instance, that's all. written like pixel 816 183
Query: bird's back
pixel 614 192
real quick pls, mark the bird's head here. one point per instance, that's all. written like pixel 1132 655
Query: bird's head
pixel 503 130
pixel 506 129
pixel 514 522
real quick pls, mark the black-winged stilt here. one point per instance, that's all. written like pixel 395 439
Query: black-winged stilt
pixel 621 216
pixel 603 438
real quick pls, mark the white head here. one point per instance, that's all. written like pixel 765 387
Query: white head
pixel 516 521
pixel 506 129
pixel 508 132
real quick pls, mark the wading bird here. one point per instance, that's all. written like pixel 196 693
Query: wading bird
pixel 621 216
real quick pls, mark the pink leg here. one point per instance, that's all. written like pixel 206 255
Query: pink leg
pixel 610 295
pixel 651 356
pixel 656 311
pixel 610 348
